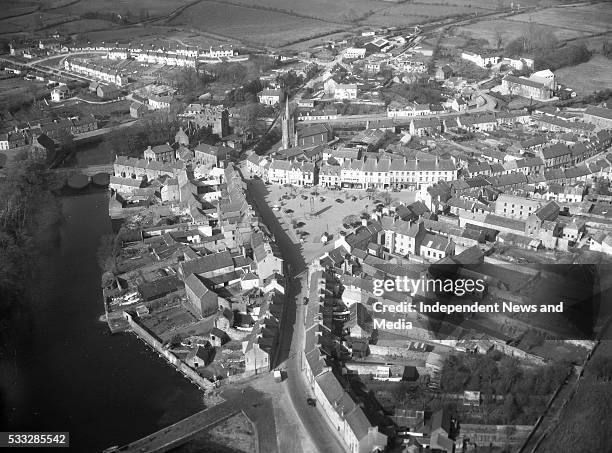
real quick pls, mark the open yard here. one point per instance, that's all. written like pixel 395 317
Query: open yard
pixel 324 214
pixel 251 25
pixel 594 75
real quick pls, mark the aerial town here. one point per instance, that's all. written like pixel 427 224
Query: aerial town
pixel 269 202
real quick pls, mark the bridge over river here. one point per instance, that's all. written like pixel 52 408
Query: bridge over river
pixel 181 432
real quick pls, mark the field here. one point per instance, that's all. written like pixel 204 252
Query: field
pixel 375 12
pixel 584 425
pixel 410 13
pixel 594 75
pixel 154 8
pixel 251 25
pixel 581 19
pixel 340 11
pixel 566 23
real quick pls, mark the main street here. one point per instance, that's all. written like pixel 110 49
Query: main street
pixel 291 338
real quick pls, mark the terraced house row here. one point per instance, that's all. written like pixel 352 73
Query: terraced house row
pixel 387 173
pixel 108 75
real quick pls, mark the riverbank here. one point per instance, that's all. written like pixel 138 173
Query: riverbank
pixel 70 373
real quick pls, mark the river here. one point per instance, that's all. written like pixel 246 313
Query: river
pixel 72 374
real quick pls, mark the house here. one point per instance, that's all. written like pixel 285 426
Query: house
pixel 209 155
pixel 482 60
pixel 218 337
pixel 557 155
pixel 601 243
pixel 443 72
pixel 435 247
pixel 108 91
pixel 516 207
pixel 519 63
pixel 459 105
pixel 473 123
pixel 270 96
pixel 137 109
pixel 402 237
pixel 548 212
pixel 266 260
pixel 159 153
pixel 60 93
pixel 425 126
pixel 359 323
pixel 159 102
pixel 351 53
pixel 82 124
pixel 346 91
pixel 599 116
pixel 397 109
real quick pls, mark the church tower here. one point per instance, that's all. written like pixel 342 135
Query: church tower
pixel 288 126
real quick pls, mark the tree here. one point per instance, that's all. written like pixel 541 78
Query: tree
pixel 511 409
pixel 499 39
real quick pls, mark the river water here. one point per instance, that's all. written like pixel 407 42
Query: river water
pixel 72 374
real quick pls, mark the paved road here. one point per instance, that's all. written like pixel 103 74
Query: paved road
pixel 292 328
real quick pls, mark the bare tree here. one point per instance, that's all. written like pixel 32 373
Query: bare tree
pixel 499 39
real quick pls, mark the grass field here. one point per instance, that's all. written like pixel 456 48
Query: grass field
pixel 594 75
pixel 410 13
pixel 338 10
pixel 251 25
pixel 586 19
pixel 565 22
pixel 152 7
pixel 584 425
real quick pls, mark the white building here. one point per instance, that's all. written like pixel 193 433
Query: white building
pixel 294 173
pixel 60 93
pixel 271 96
pixel 345 91
pixel 354 52
pixel 483 61
pixel 159 102
pixel 546 77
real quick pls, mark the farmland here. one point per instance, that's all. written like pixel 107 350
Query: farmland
pixel 565 22
pixel 251 25
pixel 594 75
pixel 580 19
pixel 153 8
pixel 416 13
